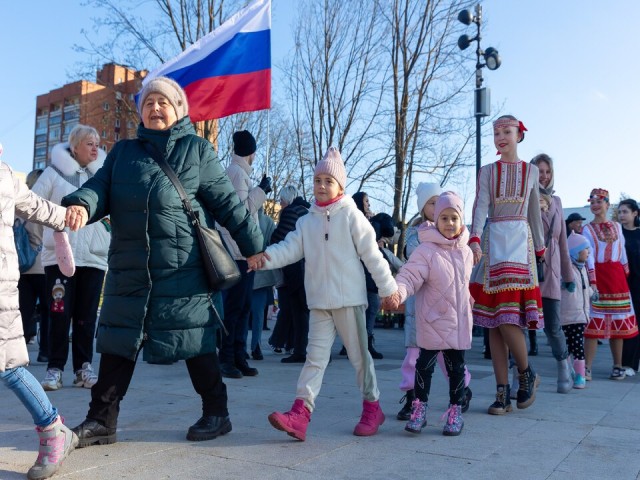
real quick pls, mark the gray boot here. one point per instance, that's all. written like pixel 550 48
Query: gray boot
pixel 565 383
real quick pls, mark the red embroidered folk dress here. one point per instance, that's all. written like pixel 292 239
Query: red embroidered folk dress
pixel 612 314
pixel 507 221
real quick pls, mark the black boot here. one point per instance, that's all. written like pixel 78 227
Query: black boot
pixel 533 343
pixel 90 432
pixel 208 428
pixel 502 404
pixel 466 400
pixel 257 353
pixel 372 350
pixel 529 381
pixel 405 412
pixel 245 369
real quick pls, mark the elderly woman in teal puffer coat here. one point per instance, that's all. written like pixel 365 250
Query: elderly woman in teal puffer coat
pixel 156 297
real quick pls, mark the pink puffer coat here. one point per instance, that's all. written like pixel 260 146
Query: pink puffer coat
pixel 438 274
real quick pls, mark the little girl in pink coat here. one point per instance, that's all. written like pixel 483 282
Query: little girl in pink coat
pixel 438 274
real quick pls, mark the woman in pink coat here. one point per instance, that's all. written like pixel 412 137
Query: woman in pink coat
pixel 438 274
pixel 557 270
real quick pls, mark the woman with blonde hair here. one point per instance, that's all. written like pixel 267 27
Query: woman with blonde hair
pixel 72 164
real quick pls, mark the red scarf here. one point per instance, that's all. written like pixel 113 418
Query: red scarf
pixel 333 200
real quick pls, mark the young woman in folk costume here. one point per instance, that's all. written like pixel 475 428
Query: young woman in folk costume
pixel 612 314
pixel 506 238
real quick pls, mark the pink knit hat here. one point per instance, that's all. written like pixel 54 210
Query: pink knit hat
pixel 333 165
pixel 449 200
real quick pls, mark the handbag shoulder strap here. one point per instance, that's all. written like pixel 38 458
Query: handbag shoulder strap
pixel 550 232
pixel 166 168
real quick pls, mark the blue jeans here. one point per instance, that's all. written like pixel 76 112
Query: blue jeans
pixel 553 328
pixel 31 394
pixel 259 300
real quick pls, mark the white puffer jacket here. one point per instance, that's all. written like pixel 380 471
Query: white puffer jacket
pixel 90 245
pixel 333 240
pixel 16 198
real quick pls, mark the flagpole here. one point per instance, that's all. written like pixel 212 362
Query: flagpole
pixel 268 140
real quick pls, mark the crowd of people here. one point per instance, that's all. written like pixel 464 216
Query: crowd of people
pixel 120 264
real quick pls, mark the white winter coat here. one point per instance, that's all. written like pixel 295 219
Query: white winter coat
pixel 90 245
pixel 575 307
pixel 16 198
pixel 333 240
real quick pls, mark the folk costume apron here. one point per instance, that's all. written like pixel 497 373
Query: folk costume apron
pixel 504 283
pixel 612 314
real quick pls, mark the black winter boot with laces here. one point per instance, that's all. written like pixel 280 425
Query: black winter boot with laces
pixel 502 404
pixel 405 413
pixel 529 381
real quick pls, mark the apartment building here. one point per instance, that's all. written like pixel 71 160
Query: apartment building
pixel 108 105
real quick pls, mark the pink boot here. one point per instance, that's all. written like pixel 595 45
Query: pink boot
pixel 294 422
pixel 64 255
pixel 372 417
pixel 56 443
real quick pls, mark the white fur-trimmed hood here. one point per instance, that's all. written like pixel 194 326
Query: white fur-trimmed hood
pixel 61 159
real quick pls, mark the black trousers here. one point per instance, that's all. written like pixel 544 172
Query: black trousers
pixel 294 301
pixel 631 346
pixel 454 361
pixel 77 304
pixel 237 310
pixel 31 290
pixel 115 374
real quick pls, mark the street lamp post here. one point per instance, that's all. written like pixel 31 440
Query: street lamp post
pixel 491 60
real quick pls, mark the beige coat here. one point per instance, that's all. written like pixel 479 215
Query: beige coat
pixel 17 199
pixel 251 197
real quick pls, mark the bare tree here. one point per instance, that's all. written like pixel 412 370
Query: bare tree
pixel 427 82
pixel 144 35
pixel 335 82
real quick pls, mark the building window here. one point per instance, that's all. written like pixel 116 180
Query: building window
pixel 106 106
pixel 40 164
pixel 104 134
pixel 103 147
pixel 132 97
pixel 56 107
pixel 116 136
pixel 118 108
pixel 41 138
pixel 54 133
pixel 130 124
pixel 41 151
pixel 41 123
pixel 55 119
pixel 72 115
pixel 117 123
pixel 68 127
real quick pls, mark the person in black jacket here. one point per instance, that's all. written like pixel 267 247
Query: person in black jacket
pixel 292 327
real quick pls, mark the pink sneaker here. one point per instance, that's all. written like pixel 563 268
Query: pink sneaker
pixel 56 443
pixel 294 422
pixel 64 255
pixel 372 417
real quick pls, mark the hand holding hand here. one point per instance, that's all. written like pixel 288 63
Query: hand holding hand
pixel 392 302
pixel 257 261
pixel 477 252
pixel 76 217
pixel 265 184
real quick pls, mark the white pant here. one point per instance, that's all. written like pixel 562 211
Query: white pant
pixel 349 323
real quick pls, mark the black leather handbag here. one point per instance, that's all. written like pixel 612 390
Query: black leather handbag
pixel 221 270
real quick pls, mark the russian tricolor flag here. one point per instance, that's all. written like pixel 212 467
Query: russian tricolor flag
pixel 229 70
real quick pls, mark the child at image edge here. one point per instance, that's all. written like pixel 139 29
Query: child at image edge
pixel 438 274
pixel 56 440
pixel 333 238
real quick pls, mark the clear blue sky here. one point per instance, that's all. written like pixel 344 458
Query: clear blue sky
pixel 569 71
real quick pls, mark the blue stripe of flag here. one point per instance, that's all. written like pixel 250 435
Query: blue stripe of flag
pixel 246 52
